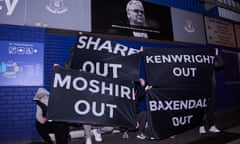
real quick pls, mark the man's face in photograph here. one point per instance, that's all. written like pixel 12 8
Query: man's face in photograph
pixel 135 13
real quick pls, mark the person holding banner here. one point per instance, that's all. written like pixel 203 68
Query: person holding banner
pixel 208 120
pixel 140 90
pixel 45 127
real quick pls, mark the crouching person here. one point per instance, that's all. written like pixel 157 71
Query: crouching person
pixel 45 127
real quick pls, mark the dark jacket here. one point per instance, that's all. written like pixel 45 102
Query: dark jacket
pixel 140 95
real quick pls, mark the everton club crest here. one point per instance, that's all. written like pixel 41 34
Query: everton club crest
pixel 56 7
pixel 189 26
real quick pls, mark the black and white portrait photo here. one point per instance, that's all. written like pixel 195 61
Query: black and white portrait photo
pixel 134 18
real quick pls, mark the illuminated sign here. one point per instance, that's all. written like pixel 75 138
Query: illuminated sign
pixel 21 63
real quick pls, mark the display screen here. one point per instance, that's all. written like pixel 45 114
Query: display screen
pixel 132 18
pixel 21 63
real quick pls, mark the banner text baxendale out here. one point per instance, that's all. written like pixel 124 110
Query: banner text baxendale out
pixel 176 105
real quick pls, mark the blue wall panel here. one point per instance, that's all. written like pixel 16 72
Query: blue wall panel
pixel 57 50
pixel 17 109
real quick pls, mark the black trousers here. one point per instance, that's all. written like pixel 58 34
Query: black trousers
pixel 209 118
pixel 142 119
pixel 60 130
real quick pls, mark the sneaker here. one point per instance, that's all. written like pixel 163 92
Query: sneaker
pixel 173 136
pixel 97 135
pixel 202 130
pixel 151 138
pixel 88 140
pixel 141 136
pixel 125 135
pixel 214 129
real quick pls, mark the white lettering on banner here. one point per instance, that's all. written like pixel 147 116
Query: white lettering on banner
pixel 182 120
pixel 158 59
pixel 98 44
pixel 10 6
pixel 177 104
pixel 86 108
pixel 96 68
pixel 94 86
pixel 186 72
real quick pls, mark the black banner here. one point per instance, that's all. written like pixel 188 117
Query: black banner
pixel 182 81
pixel 179 67
pixel 172 111
pixel 81 97
pixel 106 58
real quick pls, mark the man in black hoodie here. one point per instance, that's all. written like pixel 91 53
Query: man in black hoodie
pixel 208 120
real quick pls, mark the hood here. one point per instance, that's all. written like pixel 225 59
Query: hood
pixel 40 92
